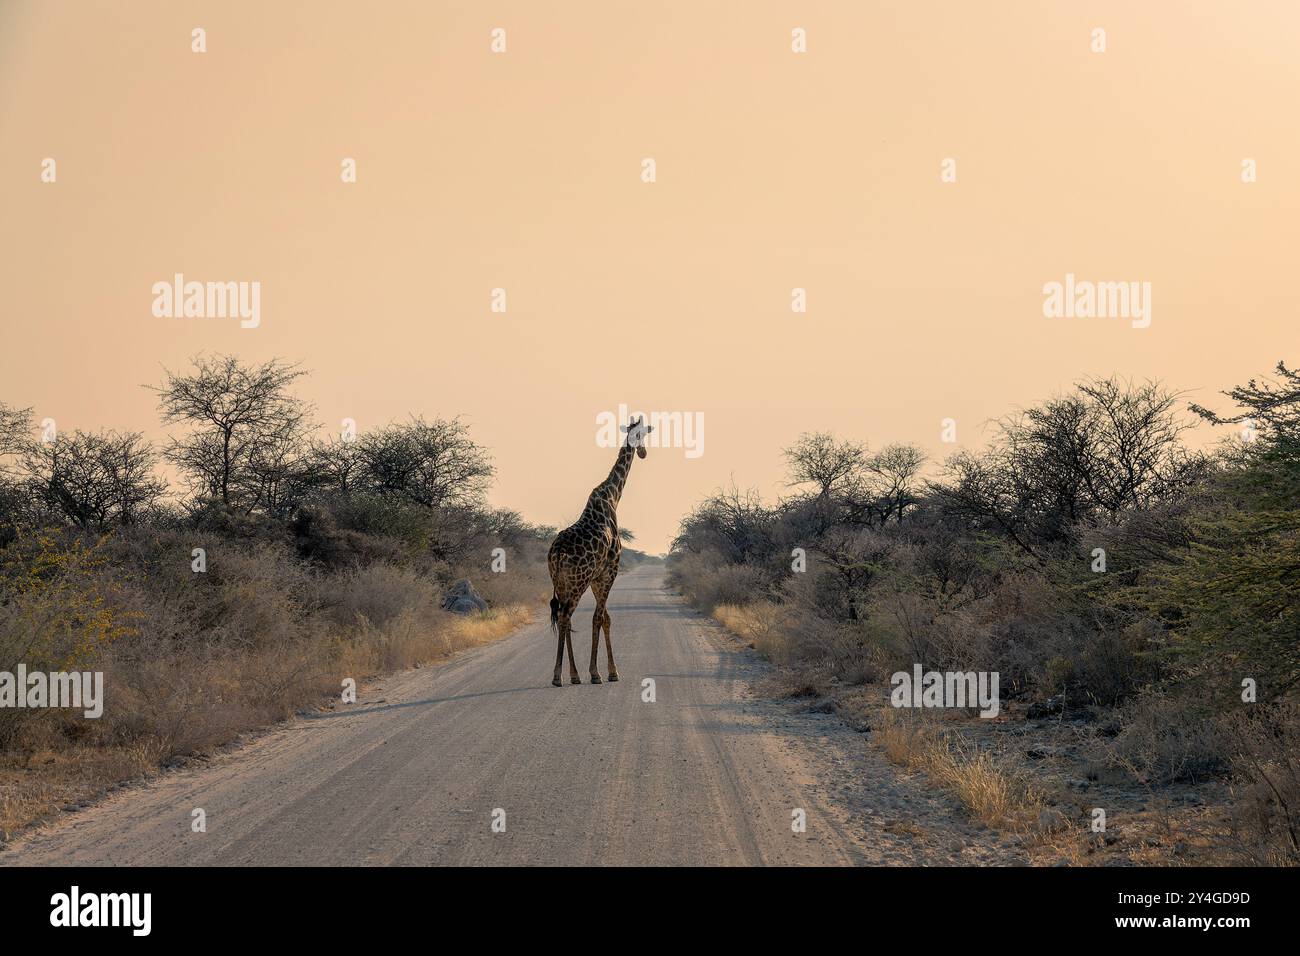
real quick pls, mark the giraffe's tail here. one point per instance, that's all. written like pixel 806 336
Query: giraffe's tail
pixel 555 614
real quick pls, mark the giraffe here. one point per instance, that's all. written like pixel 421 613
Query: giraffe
pixel 586 555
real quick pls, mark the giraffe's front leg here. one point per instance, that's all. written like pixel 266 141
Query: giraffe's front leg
pixel 596 618
pixel 601 619
pixel 609 651
pixel 562 626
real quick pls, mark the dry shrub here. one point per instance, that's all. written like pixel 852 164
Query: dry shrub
pixel 261 634
pixel 380 594
pixel 819 651
pixel 840 650
pixel 526 582
pixel 276 682
pixel 396 643
pixel 260 595
pixel 181 698
pixel 1023 628
pixel 58 608
pixel 1266 774
pixel 1165 739
pixel 706 584
pixel 184 702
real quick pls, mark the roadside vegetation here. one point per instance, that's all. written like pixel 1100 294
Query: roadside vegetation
pixel 1139 600
pixel 280 563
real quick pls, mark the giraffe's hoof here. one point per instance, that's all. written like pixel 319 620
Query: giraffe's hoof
pixel 556 682
pixel 575 680
pixel 595 678
pixel 613 677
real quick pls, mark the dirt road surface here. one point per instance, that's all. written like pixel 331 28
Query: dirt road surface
pixel 416 772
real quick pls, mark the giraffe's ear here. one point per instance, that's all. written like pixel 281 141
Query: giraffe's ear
pixel 622 428
pixel 649 429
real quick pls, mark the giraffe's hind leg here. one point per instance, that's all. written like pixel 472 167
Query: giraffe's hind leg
pixel 565 639
pixel 599 618
pixel 563 626
pixel 573 664
pixel 568 605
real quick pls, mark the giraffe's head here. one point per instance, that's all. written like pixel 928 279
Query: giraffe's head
pixel 636 430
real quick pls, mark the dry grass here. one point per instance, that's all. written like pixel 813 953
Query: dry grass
pixel 761 624
pixel 34 785
pixel 406 640
pixel 904 741
pixel 992 792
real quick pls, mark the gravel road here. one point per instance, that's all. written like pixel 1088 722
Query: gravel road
pixel 419 769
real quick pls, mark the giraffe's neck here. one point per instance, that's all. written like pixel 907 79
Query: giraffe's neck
pixel 612 487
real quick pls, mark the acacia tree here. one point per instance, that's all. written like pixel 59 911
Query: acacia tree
pixel 1135 457
pixel 894 471
pixel 337 465
pixel 245 428
pixel 1229 593
pixel 92 480
pixel 733 523
pixel 991 491
pixel 816 458
pixel 279 474
pixel 1106 449
pixel 432 464
pixel 853 556
pixel 853 487
pixel 15 425
pixel 1274 405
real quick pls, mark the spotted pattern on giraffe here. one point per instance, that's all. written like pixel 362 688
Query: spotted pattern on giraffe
pixel 586 555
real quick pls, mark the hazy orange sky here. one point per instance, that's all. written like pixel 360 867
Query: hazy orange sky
pixel 522 170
